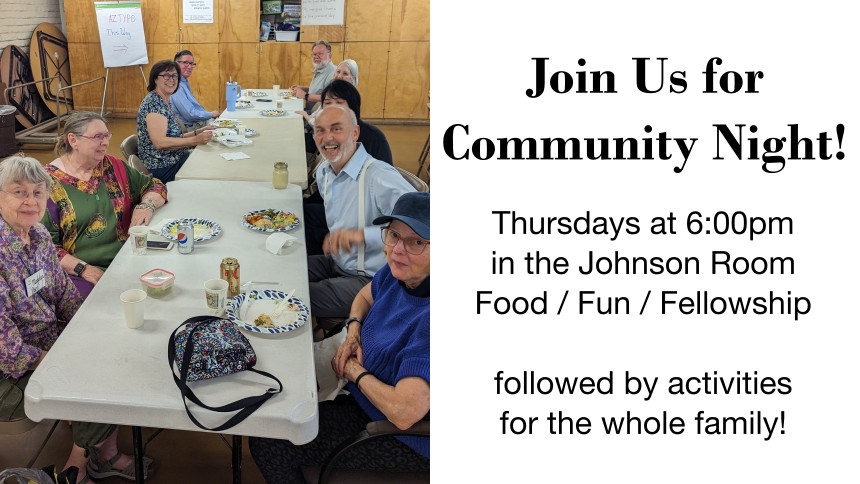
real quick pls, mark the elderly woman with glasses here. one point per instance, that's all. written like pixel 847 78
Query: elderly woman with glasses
pixel 37 300
pixel 161 144
pixel 96 199
pixel 385 357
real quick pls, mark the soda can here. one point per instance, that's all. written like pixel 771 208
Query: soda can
pixel 230 273
pixel 185 237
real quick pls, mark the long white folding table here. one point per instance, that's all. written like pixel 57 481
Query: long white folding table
pixel 101 371
pixel 279 139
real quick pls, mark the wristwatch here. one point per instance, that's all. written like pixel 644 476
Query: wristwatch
pixel 306 95
pixel 79 269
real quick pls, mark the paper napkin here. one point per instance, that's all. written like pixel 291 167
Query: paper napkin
pixel 234 156
pixel 278 240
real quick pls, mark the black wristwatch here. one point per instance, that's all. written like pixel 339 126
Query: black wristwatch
pixel 306 95
pixel 79 269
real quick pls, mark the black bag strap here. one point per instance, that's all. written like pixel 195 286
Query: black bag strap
pixel 245 406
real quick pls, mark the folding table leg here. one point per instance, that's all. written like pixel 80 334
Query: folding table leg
pixel 237 459
pixel 138 454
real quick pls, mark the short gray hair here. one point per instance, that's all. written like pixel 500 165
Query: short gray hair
pixel 350 112
pixel 19 168
pixel 322 42
pixel 76 124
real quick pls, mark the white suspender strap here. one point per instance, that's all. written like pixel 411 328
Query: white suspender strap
pixel 362 219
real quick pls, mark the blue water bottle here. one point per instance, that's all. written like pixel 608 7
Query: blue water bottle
pixel 234 92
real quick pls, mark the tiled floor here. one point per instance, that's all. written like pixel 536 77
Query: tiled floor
pixel 186 457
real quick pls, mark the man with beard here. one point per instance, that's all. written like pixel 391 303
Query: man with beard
pixel 323 75
pixel 184 103
pixel 356 189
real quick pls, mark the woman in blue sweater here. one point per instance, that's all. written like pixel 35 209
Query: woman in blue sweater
pixel 385 357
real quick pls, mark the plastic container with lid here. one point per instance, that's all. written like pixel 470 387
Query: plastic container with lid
pixel 157 283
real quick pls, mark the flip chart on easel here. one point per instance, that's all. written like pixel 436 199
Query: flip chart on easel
pixel 121 33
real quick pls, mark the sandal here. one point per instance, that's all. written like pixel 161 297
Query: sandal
pixel 99 469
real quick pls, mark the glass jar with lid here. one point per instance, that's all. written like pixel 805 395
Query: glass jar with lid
pixel 280 176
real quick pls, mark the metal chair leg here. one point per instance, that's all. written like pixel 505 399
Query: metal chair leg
pixel 425 153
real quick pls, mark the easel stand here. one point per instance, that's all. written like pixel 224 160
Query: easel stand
pixel 104 91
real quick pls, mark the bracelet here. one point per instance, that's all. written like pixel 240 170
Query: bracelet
pixel 359 377
pixel 195 132
pixel 146 204
pixel 350 321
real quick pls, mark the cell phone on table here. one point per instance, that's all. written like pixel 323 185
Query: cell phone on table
pixel 159 245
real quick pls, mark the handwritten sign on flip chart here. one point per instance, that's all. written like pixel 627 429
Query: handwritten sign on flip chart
pixel 121 33
pixel 322 12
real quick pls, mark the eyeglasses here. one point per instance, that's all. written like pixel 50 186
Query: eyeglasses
pixel 169 76
pixel 188 63
pixel 22 194
pixel 98 138
pixel 413 245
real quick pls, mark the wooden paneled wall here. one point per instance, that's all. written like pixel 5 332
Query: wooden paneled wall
pixel 390 40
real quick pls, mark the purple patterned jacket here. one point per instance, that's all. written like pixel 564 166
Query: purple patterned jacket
pixel 31 324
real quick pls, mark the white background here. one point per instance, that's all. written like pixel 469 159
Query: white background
pixel 481 65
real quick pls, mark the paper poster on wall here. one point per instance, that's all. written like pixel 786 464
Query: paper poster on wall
pixel 198 11
pixel 322 12
pixel 121 34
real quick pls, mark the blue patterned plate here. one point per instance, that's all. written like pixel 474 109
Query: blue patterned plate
pixel 273 113
pixel 269 311
pixel 270 220
pixel 203 229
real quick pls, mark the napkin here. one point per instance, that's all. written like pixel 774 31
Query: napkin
pixel 278 240
pixel 330 386
pixel 234 156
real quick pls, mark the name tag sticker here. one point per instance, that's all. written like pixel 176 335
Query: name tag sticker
pixel 35 283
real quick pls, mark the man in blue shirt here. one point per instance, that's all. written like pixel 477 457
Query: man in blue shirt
pixel 189 111
pixel 356 189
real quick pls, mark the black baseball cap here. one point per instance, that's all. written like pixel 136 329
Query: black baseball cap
pixel 413 209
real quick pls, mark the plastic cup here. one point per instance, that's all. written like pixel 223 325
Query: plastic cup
pixel 277 89
pixel 216 296
pixel 133 302
pixel 138 236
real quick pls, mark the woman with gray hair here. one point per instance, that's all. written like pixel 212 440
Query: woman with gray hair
pixel 95 199
pixel 37 300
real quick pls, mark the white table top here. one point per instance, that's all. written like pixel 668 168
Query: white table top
pixel 279 139
pixel 269 101
pixel 101 371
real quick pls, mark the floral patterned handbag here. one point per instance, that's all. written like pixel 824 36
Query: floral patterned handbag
pixel 204 347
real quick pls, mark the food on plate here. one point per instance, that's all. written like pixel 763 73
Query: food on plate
pixel 199 229
pixel 273 112
pixel 244 104
pixel 224 123
pixel 264 321
pixel 218 132
pixel 271 219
